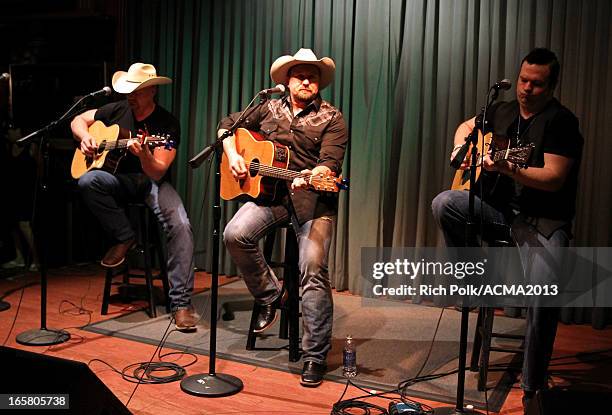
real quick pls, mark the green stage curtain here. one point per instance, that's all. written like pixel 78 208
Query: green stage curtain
pixel 408 72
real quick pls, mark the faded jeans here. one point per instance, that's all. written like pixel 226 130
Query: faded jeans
pixel 450 210
pixel 105 194
pixel 241 237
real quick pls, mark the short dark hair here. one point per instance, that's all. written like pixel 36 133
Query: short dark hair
pixel 543 56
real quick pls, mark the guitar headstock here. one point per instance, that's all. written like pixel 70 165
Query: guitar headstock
pixel 160 140
pixel 328 183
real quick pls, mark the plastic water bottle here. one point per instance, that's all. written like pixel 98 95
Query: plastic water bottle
pixel 349 358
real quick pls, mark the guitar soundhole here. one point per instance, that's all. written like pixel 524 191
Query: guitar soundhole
pixel 101 147
pixel 254 167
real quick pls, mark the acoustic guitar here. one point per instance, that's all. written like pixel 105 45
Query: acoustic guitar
pixel 267 164
pixel 109 139
pixel 500 150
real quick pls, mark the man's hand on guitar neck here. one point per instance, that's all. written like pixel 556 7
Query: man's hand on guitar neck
pixel 153 165
pixel 137 149
pixel 301 183
pixel 502 166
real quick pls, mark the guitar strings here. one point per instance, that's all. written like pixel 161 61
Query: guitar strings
pixel 122 143
pixel 281 173
pixel 327 182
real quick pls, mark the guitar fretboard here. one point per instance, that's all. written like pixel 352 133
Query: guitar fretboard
pixel 277 172
pixel 113 145
pixel 123 143
pixel 519 154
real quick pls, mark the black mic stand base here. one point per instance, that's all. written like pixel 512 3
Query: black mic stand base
pixel 211 385
pixel 4 305
pixel 42 337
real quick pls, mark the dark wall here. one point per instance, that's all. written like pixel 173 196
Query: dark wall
pixel 56 52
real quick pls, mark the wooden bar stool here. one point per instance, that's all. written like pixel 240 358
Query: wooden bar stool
pixel 494 236
pixel 148 242
pixel 290 311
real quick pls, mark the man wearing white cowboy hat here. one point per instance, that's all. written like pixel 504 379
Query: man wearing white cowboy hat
pixel 141 175
pixel 316 135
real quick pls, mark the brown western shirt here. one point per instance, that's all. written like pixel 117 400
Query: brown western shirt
pixel 316 136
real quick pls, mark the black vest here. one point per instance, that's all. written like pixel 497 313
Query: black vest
pixel 559 205
pixel 506 114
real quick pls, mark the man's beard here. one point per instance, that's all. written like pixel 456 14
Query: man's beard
pixel 305 97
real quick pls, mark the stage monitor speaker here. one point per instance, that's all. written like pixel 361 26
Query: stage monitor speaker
pixel 33 373
pixel 571 400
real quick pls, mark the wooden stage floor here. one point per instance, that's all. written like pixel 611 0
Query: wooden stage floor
pixel 265 391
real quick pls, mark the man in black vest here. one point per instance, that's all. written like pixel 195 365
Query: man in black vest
pixel 538 202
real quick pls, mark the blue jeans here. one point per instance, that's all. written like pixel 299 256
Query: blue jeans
pixel 105 193
pixel 450 209
pixel 241 237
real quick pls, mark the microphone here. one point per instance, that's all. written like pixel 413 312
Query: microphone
pixel 104 91
pixel 5 76
pixel 278 89
pixel 504 84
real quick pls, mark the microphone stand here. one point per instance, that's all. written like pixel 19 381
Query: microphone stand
pixel 43 336
pixel 470 238
pixel 215 384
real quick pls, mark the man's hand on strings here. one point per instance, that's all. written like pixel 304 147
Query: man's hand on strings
pixel 237 166
pixel 89 146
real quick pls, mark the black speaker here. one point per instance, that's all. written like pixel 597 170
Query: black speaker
pixel 32 373
pixel 560 400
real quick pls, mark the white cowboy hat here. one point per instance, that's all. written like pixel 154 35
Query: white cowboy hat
pixel 140 75
pixel 279 71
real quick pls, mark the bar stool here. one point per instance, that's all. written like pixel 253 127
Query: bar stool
pixel 147 243
pixel 495 236
pixel 290 311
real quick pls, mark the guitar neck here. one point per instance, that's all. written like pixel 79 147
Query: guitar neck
pixel 504 154
pixel 117 144
pixel 124 142
pixel 277 172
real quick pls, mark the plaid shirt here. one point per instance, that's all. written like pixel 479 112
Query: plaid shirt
pixel 316 136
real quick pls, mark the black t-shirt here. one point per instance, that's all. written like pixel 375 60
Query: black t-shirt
pixel 160 122
pixel 554 130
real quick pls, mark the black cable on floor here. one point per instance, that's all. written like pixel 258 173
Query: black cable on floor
pixel 342 407
pixel 150 372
